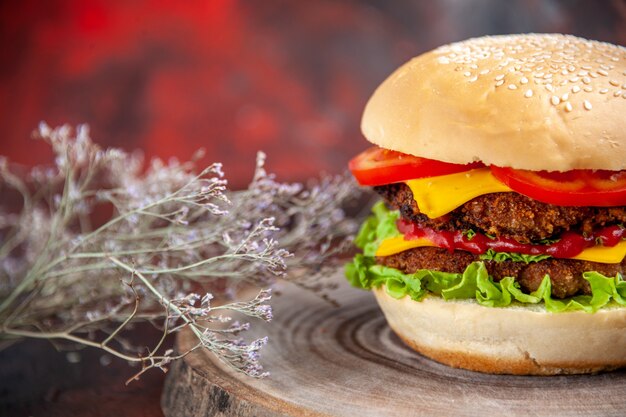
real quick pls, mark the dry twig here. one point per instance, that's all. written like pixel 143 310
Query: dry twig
pixel 67 274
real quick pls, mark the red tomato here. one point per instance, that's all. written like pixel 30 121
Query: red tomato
pixel 580 187
pixel 378 166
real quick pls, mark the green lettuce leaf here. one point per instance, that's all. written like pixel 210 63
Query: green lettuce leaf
pixel 492 255
pixel 473 283
pixel 380 226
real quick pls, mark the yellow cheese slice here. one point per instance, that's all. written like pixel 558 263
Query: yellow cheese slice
pixel 603 254
pixel 600 254
pixel 437 196
pixel 397 244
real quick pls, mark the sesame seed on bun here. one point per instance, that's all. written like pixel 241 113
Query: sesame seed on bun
pixel 535 101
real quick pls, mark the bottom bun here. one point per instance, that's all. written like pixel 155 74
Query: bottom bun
pixel 511 340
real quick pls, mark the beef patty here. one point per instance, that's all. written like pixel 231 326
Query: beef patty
pixel 565 274
pixel 506 214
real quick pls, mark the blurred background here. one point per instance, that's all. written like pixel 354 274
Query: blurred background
pixel 287 77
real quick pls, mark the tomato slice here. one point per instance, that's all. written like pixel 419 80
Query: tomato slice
pixel 378 166
pixel 580 187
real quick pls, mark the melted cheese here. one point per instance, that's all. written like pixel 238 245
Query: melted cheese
pixel 601 254
pixel 604 255
pixel 397 244
pixel 436 196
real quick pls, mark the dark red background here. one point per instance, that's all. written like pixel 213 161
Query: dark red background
pixel 287 77
pixel 168 77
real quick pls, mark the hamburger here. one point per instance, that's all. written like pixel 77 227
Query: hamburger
pixel 499 242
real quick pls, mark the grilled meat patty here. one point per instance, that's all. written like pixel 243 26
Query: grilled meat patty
pixel 509 215
pixel 506 214
pixel 565 274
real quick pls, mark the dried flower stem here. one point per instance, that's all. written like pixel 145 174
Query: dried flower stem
pixel 172 231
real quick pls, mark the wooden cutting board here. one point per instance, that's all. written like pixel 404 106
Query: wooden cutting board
pixel 328 361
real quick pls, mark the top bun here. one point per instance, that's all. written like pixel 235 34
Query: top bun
pixel 538 102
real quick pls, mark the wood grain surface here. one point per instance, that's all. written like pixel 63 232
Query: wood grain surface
pixel 327 361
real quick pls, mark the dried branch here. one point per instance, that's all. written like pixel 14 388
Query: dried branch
pixel 68 273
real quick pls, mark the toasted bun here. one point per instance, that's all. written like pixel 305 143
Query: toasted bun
pixel 512 340
pixel 538 102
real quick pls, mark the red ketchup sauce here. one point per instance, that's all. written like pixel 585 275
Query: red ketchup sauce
pixel 570 244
